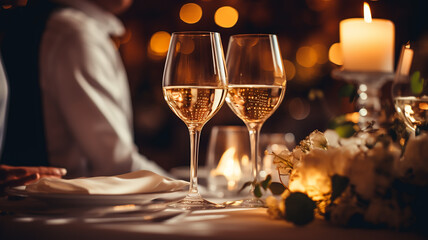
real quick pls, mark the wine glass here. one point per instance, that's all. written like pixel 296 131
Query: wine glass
pixel 410 87
pixel 256 88
pixel 194 86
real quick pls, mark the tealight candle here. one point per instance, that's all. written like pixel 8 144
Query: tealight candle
pixel 367 44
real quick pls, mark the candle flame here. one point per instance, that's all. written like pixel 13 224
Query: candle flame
pixel 367 13
pixel 230 168
pixel 407 45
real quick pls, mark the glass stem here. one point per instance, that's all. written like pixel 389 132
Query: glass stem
pixel 254 132
pixel 195 135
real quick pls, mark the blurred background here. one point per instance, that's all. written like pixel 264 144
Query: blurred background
pixel 307 30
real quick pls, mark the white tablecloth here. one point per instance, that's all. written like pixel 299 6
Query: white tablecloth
pixel 208 224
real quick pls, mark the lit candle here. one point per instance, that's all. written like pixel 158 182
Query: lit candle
pixel 367 44
pixel 405 61
pixel 229 167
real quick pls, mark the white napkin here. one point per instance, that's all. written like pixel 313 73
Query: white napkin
pixel 130 183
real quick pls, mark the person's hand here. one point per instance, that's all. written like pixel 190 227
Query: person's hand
pixel 16 176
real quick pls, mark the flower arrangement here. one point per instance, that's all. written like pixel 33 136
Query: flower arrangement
pixel 376 178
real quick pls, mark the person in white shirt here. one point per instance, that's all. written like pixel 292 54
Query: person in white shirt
pixel 85 92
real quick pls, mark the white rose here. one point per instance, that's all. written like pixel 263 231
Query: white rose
pixel 317 140
pixel 415 155
pixel 361 173
pixel 312 175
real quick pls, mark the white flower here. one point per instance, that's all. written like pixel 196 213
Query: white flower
pixel 276 208
pixel 284 161
pixel 388 212
pixel 361 173
pixel 332 138
pixel 317 164
pixel 415 156
pixel 313 175
pixel 317 140
pixel 273 207
pixel 371 170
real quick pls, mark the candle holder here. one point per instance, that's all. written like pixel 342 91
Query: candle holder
pixel 228 160
pixel 369 85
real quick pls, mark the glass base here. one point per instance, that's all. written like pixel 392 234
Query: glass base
pixel 246 203
pixel 195 203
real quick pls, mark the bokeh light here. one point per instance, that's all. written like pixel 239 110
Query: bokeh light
pixel 290 69
pixel 190 13
pixel 159 43
pixel 335 54
pixel 306 56
pixel 322 53
pixel 226 17
pixel 308 76
pixel 353 117
pixel 363 87
pixel 299 108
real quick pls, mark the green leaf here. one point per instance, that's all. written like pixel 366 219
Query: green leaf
pixel 339 184
pixel 299 208
pixel 416 83
pixel 350 91
pixel 276 188
pixel 346 90
pixel 265 184
pixel 245 186
pixel 257 191
pixel 345 130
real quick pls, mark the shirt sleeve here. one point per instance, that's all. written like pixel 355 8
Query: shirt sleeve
pixel 93 97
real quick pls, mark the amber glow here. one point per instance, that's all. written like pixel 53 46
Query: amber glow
pixel 226 17
pixel 306 56
pixel 322 53
pixel 423 106
pixel 230 166
pixel 190 13
pixel 124 207
pixel 314 183
pixel 335 54
pixel 159 43
pixel 290 69
pixel 367 13
pixel 352 117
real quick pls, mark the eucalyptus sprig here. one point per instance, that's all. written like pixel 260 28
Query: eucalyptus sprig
pixel 275 188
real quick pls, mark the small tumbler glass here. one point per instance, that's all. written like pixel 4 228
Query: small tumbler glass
pixel 228 160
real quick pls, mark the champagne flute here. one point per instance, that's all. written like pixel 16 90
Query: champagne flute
pixel 410 87
pixel 256 89
pixel 194 86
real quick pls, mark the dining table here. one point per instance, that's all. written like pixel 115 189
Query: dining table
pixel 225 223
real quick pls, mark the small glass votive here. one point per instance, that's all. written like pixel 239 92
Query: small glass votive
pixel 228 160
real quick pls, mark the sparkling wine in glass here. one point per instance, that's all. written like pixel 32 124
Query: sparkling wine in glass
pixel 256 88
pixel 194 86
pixel 410 87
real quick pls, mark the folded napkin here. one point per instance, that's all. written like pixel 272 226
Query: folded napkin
pixel 130 183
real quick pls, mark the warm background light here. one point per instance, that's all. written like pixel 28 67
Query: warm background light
pixel 322 53
pixel 299 108
pixel 226 17
pixel 290 69
pixel 306 56
pixel 335 54
pixel 159 43
pixel 190 13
